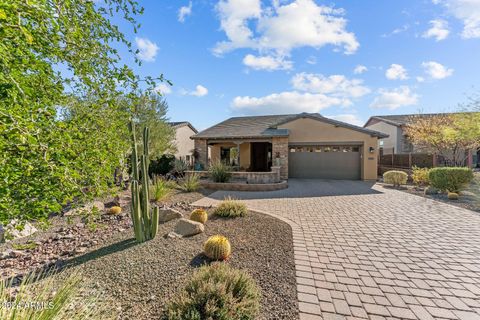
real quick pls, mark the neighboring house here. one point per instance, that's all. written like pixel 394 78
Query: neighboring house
pixel 304 145
pixel 397 142
pixel 184 145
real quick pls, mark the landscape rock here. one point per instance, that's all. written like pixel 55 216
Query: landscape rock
pixel 166 215
pixel 186 228
pixel 16 230
pixel 430 191
pixel 2 233
pixel 86 208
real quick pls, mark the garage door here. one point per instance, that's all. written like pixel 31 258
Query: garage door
pixel 324 162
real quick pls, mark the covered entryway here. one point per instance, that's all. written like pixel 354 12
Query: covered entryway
pixel 341 162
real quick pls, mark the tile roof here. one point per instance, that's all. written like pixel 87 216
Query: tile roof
pixel 181 124
pixel 403 119
pixel 266 126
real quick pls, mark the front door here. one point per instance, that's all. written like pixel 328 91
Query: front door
pixel 261 156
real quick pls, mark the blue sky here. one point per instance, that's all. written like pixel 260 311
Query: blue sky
pixel 344 59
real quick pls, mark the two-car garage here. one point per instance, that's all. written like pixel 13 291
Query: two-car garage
pixel 324 161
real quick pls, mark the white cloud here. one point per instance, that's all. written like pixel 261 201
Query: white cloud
pixel 359 69
pixel 438 30
pixel 147 50
pixel 311 93
pixel 312 60
pixel 281 28
pixel 285 102
pixel 395 98
pixel 348 118
pixel 163 88
pixel 436 70
pixel 468 11
pixel 269 63
pixel 396 72
pixel 420 79
pixel 184 12
pixel 199 91
pixel 334 85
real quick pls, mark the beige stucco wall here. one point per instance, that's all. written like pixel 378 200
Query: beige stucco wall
pixel 182 141
pixel 314 131
pixel 394 132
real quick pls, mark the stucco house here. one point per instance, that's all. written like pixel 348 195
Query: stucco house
pixel 305 145
pixel 397 142
pixel 184 145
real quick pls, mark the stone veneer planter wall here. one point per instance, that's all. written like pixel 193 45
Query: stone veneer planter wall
pixel 251 177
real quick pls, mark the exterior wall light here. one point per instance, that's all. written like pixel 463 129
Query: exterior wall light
pixel 371 149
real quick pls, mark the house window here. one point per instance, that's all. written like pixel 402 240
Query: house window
pixel 407 146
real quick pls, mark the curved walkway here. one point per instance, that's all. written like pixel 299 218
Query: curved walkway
pixel 365 251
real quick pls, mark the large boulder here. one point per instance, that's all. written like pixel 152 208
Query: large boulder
pixel 166 215
pixel 98 205
pixel 187 228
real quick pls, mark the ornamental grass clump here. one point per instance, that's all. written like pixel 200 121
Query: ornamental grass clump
pixel 396 178
pixel 199 215
pixel 217 248
pixel 220 172
pixel 190 183
pixel 450 179
pixel 217 292
pixel 231 208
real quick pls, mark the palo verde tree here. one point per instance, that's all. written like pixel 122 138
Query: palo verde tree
pixel 60 81
pixel 449 135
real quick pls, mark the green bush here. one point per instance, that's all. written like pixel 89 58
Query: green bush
pixel 162 165
pixel 220 172
pixel 231 208
pixel 452 179
pixel 190 183
pixel 420 176
pixel 396 178
pixel 217 292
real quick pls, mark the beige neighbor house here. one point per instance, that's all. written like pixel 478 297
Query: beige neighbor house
pixel 184 145
pixel 304 145
pixel 398 143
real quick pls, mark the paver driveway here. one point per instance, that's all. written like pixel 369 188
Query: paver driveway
pixel 365 251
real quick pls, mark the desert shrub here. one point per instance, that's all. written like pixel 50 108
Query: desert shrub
pixel 231 208
pixel 199 215
pixel 217 248
pixel 162 165
pixel 54 298
pixel 420 176
pixel 217 292
pixel 161 188
pixel 190 183
pixel 179 167
pixel 396 178
pixel 220 172
pixel 451 179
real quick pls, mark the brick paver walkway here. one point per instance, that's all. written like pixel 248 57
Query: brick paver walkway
pixel 364 251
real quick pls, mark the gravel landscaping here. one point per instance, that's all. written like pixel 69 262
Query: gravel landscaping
pixel 139 279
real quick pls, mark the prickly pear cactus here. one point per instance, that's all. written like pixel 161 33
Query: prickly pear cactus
pixel 217 248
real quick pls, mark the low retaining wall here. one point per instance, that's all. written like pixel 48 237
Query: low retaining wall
pixel 269 177
pixel 241 186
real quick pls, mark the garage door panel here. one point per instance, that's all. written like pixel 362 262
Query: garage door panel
pixel 324 165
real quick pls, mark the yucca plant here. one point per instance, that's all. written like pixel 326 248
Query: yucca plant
pixel 220 172
pixel 42 296
pixel 161 188
pixel 190 183
pixel 145 221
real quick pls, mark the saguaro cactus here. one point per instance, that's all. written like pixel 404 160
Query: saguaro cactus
pixel 145 221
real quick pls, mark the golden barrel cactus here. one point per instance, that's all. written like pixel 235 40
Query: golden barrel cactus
pixel 217 248
pixel 199 215
pixel 452 196
pixel 114 210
